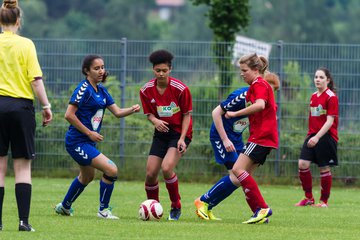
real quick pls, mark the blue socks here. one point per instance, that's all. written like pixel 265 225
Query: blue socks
pixel 221 190
pixel 74 191
pixel 105 194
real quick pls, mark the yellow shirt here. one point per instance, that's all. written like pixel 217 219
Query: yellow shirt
pixel 19 66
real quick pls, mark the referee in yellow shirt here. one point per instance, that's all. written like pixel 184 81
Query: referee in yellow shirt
pixel 20 78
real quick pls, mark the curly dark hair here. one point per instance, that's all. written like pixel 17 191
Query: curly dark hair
pixel 161 56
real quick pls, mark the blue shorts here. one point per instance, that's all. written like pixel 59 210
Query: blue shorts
pixel 83 153
pixel 222 156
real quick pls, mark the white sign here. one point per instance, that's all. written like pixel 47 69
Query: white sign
pixel 244 46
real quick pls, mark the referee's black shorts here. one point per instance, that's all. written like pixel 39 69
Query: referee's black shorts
pixel 17 127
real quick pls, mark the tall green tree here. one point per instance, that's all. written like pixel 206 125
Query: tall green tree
pixel 226 19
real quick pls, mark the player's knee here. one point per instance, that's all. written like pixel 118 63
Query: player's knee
pixel 111 178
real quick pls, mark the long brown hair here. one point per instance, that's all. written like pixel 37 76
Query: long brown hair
pixel 331 84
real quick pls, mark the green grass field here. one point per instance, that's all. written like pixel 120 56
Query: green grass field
pixel 339 221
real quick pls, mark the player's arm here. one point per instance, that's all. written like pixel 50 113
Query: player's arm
pixel 71 117
pixel 216 115
pixel 258 106
pixel 184 129
pixel 123 112
pixel 323 130
pixel 39 90
pixel 159 124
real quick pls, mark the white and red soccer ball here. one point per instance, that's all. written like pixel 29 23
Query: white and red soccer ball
pixel 150 210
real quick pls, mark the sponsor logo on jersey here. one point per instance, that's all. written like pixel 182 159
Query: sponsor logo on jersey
pixel 96 119
pixel 168 111
pixel 317 111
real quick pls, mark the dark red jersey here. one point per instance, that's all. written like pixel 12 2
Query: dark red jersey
pixel 169 106
pixel 327 104
pixel 263 124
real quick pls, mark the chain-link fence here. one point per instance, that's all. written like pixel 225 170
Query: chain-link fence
pixel 127 141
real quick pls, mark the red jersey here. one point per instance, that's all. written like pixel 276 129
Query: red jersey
pixel 170 106
pixel 263 124
pixel 327 104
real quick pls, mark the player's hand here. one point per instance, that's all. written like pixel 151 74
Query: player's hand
pixel 135 108
pixel 161 125
pixel 47 116
pixel 229 114
pixel 312 141
pixel 181 146
pixel 95 136
pixel 229 146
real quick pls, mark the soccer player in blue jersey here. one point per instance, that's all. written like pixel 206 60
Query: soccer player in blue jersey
pixel 227 143
pixel 226 140
pixel 85 114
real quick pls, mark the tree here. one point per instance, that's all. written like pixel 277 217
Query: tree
pixel 227 18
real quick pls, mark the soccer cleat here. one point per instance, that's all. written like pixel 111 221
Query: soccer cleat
pixel 305 202
pixel 201 209
pixel 259 215
pixel 25 227
pixel 106 214
pixel 321 204
pixel 59 209
pixel 263 221
pixel 212 216
pixel 174 214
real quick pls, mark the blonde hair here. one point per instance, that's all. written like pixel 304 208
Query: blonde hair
pixel 272 79
pixel 10 12
pixel 254 61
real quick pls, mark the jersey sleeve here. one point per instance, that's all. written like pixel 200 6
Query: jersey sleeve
pixel 261 91
pixel 33 66
pixel 235 100
pixel 80 94
pixel 185 101
pixel 109 99
pixel 145 102
pixel 333 106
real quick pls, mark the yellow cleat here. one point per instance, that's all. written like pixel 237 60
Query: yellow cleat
pixel 201 209
pixel 212 216
pixel 260 215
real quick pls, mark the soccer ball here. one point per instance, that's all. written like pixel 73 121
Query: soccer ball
pixel 150 210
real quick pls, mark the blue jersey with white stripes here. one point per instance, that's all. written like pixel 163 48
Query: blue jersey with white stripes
pixel 234 127
pixel 91 109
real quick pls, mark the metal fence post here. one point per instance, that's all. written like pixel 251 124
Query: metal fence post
pixel 122 99
pixel 281 75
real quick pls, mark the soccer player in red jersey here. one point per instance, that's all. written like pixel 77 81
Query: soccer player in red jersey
pixel 261 110
pixel 167 103
pixel 320 145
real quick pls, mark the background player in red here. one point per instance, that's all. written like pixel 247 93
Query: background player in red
pixel 320 145
pixel 167 103
pixel 261 110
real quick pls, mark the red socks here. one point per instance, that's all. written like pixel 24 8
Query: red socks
pixel 252 191
pixel 306 182
pixel 172 185
pixel 152 191
pixel 326 181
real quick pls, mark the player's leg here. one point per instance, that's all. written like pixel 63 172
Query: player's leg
pixel 153 166
pixel 307 155
pixel 3 169
pixel 22 170
pixel 107 181
pixel 168 165
pixel 252 154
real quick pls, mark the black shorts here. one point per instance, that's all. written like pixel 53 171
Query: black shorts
pixel 17 127
pixel 323 154
pixel 256 152
pixel 163 141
